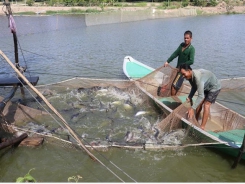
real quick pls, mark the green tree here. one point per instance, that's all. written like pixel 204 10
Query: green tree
pixel 200 3
pixel 30 2
pixel 185 3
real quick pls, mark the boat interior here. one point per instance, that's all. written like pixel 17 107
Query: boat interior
pixel 223 123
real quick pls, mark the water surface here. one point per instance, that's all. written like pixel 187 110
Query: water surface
pixel 60 47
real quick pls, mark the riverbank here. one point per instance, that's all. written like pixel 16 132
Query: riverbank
pixel 221 8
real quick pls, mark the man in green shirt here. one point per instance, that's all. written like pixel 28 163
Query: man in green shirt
pixel 185 53
pixel 207 86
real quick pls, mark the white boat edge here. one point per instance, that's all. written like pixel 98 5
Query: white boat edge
pixel 131 59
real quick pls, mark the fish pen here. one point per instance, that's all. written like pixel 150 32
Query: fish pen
pixel 102 112
pixel 118 113
pixel 94 116
pixel 113 112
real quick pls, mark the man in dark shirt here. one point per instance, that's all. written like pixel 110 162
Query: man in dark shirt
pixel 185 53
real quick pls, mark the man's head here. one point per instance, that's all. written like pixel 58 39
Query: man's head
pixel 186 71
pixel 187 37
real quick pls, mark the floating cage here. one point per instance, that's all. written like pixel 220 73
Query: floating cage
pixel 116 113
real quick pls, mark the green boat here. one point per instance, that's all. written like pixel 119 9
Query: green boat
pixel 134 69
pixel 225 128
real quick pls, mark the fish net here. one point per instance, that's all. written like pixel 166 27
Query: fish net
pixel 101 112
pixel 118 113
pixel 159 82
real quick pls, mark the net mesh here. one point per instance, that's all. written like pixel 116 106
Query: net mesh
pixel 173 120
pixel 158 83
pixel 120 113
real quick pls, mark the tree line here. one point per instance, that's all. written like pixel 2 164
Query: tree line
pixel 87 3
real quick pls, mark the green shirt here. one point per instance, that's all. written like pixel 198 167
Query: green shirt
pixel 186 56
pixel 202 80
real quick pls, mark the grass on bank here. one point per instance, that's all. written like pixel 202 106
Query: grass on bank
pixel 101 7
pixel 73 11
pixel 61 12
pixel 25 13
pixel 102 4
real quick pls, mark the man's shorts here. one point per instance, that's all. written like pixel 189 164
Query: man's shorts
pixel 211 96
pixel 178 81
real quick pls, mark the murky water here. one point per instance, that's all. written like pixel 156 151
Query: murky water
pixel 60 47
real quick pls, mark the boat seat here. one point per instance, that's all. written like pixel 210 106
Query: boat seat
pixel 11 81
pixel 133 70
pixel 173 101
pixel 181 98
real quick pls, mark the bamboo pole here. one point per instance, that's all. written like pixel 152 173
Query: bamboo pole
pixel 165 147
pixel 49 105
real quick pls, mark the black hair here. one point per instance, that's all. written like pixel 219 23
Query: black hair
pixel 189 33
pixel 185 67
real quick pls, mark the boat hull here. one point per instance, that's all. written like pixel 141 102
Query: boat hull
pixel 217 140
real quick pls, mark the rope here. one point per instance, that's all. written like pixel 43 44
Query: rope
pixel 24 58
pixel 135 145
pixel 110 162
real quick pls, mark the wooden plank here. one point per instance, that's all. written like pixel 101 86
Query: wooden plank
pixel 15 81
pixel 32 141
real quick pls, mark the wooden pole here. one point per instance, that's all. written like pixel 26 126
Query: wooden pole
pixel 16 55
pixel 240 154
pixel 7 4
pixel 15 142
pixel 48 104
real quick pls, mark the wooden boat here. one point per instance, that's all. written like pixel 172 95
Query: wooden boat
pixel 228 138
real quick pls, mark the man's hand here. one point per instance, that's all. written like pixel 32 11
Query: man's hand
pixel 189 100
pixel 190 113
pixel 165 64
pixel 17 65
